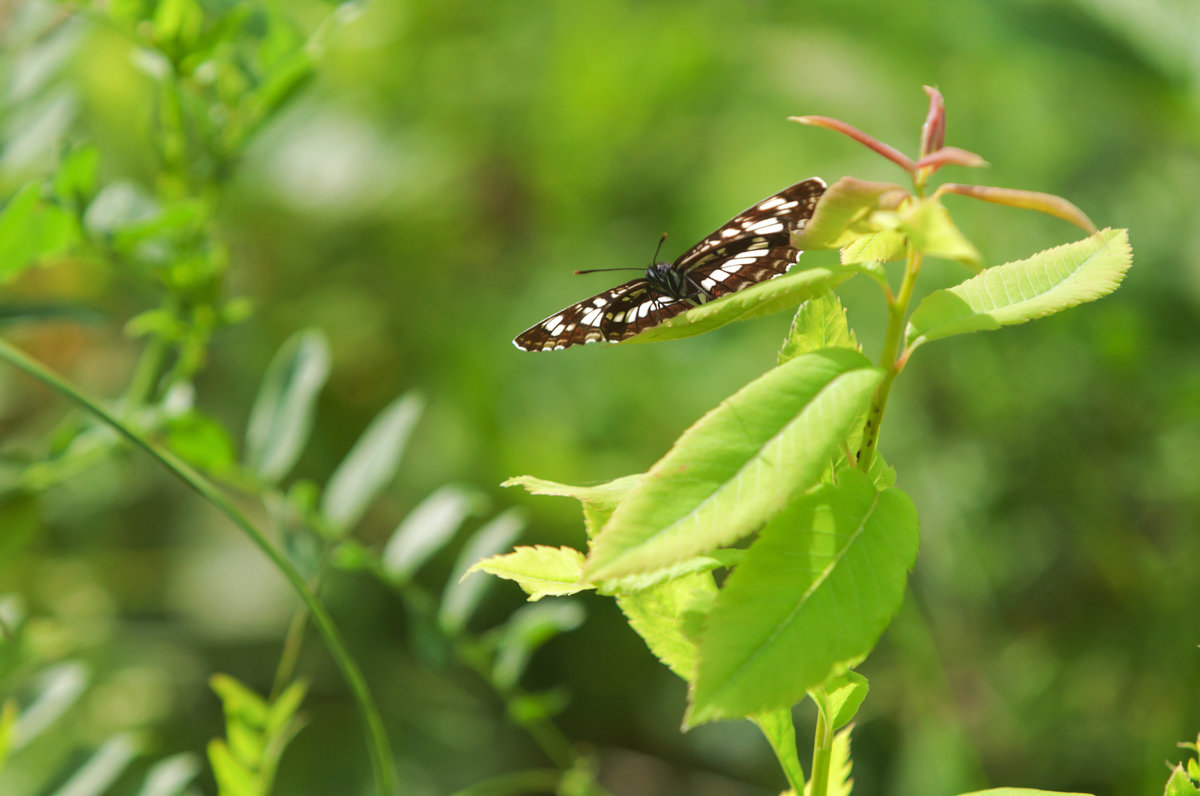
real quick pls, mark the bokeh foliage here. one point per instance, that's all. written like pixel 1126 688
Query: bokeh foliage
pixel 426 195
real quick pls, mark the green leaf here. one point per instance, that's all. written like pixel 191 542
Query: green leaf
pixel 874 247
pixel 599 501
pixel 660 615
pixel 282 417
pixel 927 225
pixel 644 580
pixel 1021 792
pixel 102 769
pixel 819 323
pixel 526 631
pixel 764 298
pixel 427 529
pixel 461 597
pixel 8 720
pixel 20 520
pixel 201 441
pixel 844 693
pixel 75 179
pixel 1048 282
pixel 1180 784
pixel 780 732
pixel 170 776
pixel 239 701
pixel 284 708
pixel 540 570
pixel 371 463
pixel 842 214
pixel 813 595
pixel 233 779
pixel 738 465
pixel 28 230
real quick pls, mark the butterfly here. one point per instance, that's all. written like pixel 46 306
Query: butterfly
pixel 753 246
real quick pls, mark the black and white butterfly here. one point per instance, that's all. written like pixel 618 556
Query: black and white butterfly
pixel 753 246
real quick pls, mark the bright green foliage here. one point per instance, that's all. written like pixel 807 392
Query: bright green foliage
pixel 598 501
pixel 282 417
pixel 927 225
pixel 8 720
pixel 812 596
pixel 755 301
pixel 843 695
pixel 1021 792
pixel 881 247
pixel 666 616
pixel 738 465
pixel 257 732
pixel 541 571
pixel 780 732
pixel 842 216
pixel 427 529
pixel 1048 282
pixel 1180 784
pixel 819 323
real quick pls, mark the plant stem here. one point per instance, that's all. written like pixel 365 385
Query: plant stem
pixel 822 758
pixel 379 749
pixel 890 359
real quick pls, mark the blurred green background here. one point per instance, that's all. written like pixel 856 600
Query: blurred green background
pixel 427 196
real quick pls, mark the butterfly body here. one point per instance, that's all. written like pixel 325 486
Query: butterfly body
pixel 752 247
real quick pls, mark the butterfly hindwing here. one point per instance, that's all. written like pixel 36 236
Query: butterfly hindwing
pixel 753 246
pixel 613 315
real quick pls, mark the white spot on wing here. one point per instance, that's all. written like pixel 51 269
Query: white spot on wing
pixel 774 201
pixel 719 275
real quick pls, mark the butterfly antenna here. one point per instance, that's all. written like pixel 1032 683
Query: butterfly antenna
pixel 598 270
pixel 654 259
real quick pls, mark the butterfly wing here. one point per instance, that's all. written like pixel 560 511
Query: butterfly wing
pixel 755 245
pixel 613 315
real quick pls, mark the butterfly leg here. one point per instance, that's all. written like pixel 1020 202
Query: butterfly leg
pixel 699 289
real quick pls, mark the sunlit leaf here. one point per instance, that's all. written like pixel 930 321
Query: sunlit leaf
pixel 1048 282
pixel 201 441
pixel 75 179
pixel 738 465
pixel 780 731
pixel 819 323
pixel 233 778
pixel 240 701
pixel 1022 792
pixel 8 721
pixel 599 501
pixel 659 615
pixel 1180 784
pixel 883 247
pixel 844 693
pixel 928 226
pixel 284 708
pixel 282 417
pixel 540 571
pixel 814 593
pixel 371 463
pixel 838 217
pixel 427 529
pixel 764 298
pixel 461 597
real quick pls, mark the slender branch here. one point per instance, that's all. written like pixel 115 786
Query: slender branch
pixel 380 751
pixel 890 360
pixel 822 758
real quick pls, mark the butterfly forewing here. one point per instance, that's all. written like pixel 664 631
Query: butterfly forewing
pixel 753 246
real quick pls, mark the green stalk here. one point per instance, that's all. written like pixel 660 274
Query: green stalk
pixel 890 360
pixel 378 747
pixel 822 758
